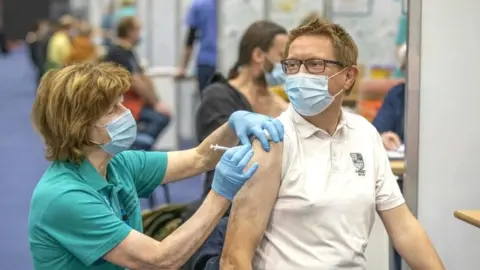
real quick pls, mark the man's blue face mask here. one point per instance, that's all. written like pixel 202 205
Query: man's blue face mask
pixel 308 93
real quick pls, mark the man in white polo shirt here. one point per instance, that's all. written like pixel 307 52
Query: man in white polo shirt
pixel 311 205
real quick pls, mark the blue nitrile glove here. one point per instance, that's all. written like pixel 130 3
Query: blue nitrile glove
pixel 229 174
pixel 247 123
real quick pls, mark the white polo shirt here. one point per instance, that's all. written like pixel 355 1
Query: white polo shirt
pixel 331 187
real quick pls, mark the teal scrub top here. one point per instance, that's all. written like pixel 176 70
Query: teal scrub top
pixel 401 39
pixel 76 216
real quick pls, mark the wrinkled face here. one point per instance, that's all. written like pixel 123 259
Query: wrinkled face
pixel 320 47
pixel 99 134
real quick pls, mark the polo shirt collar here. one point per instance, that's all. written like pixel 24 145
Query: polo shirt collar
pixel 306 129
pixel 93 178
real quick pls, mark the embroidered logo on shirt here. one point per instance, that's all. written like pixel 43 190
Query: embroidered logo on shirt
pixel 357 159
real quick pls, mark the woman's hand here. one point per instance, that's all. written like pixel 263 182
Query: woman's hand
pixel 246 124
pixel 231 173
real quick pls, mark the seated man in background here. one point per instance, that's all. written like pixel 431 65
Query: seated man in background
pixel 389 120
pixel 152 114
pixel 312 203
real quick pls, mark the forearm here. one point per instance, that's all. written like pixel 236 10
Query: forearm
pixel 187 53
pixel 149 83
pixel 188 163
pixel 181 244
pixel 415 247
pixel 208 157
pixel 144 88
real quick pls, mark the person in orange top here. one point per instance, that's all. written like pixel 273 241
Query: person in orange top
pixel 83 48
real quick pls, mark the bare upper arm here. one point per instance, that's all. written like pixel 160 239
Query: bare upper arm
pixel 396 219
pixel 253 204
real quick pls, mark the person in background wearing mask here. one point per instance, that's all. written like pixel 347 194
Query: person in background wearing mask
pixel 202 27
pixel 312 202
pixel 260 50
pixel 85 211
pixel 390 119
pixel 141 99
pixel 60 45
pixel 83 48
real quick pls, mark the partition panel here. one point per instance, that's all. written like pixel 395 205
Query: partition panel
pixel 442 138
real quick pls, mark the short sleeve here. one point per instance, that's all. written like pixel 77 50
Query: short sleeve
pixel 214 111
pixel 121 59
pixel 193 16
pixel 148 169
pixel 387 191
pixel 84 225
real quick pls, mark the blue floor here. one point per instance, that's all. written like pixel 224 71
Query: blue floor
pixel 22 162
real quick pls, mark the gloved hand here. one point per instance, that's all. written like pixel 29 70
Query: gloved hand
pixel 229 174
pixel 247 123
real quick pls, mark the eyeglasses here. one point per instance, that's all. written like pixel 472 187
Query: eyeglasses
pixel 314 66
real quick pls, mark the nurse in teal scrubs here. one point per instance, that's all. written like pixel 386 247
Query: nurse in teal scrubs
pixel 401 40
pixel 85 211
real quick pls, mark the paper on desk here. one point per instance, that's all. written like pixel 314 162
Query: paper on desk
pixel 397 154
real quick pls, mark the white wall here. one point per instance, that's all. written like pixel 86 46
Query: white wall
pixel 448 162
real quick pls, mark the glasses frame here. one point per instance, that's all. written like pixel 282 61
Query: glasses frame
pixel 303 62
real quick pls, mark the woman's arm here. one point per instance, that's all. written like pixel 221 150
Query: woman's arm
pixel 138 251
pixel 240 126
pixel 187 163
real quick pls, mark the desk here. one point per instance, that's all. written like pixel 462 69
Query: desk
pixel 398 167
pixel 472 217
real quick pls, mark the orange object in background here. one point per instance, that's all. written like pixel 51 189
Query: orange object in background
pixel 371 95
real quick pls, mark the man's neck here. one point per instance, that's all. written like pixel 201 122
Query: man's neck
pixel 327 120
pixel 99 160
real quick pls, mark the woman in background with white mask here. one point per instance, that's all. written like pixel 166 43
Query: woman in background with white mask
pixel 85 211
pixel 247 88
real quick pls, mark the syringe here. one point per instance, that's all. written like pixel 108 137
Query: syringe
pixel 218 147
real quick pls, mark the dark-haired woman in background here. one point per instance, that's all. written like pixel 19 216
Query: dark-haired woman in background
pixel 247 87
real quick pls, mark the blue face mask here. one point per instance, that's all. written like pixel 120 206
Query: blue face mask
pixel 276 76
pixel 122 132
pixel 309 93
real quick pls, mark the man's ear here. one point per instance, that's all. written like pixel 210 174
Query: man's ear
pixel 350 79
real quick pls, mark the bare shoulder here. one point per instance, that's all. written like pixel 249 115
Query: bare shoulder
pixel 268 173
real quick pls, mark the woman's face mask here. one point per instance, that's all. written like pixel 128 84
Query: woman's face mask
pixel 122 132
pixel 275 76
